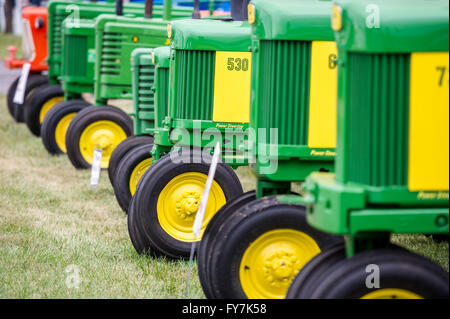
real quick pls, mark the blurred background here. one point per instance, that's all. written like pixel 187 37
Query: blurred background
pixel 10 10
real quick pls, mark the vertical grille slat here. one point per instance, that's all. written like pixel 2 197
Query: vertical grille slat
pixel 195 87
pixel 377 113
pixel 284 70
pixel 75 49
pixel 163 97
pixel 145 94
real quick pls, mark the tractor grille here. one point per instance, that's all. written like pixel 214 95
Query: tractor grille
pixel 75 50
pixel 195 87
pixel 146 98
pixel 284 71
pixel 377 108
pixel 163 97
pixel 56 35
pixel 111 53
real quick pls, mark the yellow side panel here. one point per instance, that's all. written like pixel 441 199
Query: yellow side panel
pixel 232 87
pixel 323 95
pixel 429 122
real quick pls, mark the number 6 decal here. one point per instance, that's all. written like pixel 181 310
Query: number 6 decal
pixel 238 64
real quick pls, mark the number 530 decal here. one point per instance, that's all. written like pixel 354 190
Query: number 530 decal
pixel 238 64
pixel 232 86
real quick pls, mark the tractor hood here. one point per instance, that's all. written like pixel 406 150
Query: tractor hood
pixel 210 35
pixel 291 19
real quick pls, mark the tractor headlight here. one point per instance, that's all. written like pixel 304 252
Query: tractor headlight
pixel 169 31
pixel 336 18
pixel 39 23
pixel 251 14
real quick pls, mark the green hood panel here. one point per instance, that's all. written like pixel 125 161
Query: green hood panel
pixel 405 25
pixel 162 57
pixel 211 35
pixel 293 20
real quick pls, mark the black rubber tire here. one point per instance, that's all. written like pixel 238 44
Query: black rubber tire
pixel 244 227
pixel 205 252
pixel 34 81
pixel 136 236
pixel 35 103
pixel 151 185
pixel 311 273
pixel 399 269
pixel 52 119
pixel 124 170
pixel 10 97
pixel 86 117
pixel 122 149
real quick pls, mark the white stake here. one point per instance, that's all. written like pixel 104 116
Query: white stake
pixel 19 95
pixel 96 167
pixel 197 228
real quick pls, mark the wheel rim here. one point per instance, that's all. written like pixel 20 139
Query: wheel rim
pixel 48 106
pixel 61 129
pixel 137 173
pixel 273 260
pixel 105 135
pixel 178 203
pixel 392 293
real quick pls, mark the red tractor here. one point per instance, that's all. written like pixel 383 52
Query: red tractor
pixel 33 62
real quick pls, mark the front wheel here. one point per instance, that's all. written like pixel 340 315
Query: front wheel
pixel 129 172
pixel 56 122
pixel 310 275
pixel 40 102
pixel 212 232
pixel 122 150
pixel 168 197
pixel 262 248
pixel 34 81
pixel 96 127
pixel 383 274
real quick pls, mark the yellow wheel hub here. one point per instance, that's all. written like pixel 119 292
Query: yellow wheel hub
pixel 179 201
pixel 273 260
pixel 48 106
pixel 392 293
pixel 104 135
pixel 137 173
pixel 61 129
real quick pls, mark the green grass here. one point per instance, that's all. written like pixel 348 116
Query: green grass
pixel 51 219
pixel 5 41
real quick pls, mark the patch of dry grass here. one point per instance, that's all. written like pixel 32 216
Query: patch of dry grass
pixel 51 219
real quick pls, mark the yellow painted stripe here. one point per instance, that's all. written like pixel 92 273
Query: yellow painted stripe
pixel 429 122
pixel 323 95
pixel 232 85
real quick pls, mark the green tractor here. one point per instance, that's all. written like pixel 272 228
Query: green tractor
pixel 132 157
pixel 78 44
pixel 256 244
pixel 145 121
pixel 77 13
pixel 104 128
pixel 209 102
pixel 392 167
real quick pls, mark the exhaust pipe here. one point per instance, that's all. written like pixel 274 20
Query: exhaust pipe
pixel 196 14
pixel 148 13
pixel 119 7
pixel 239 10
